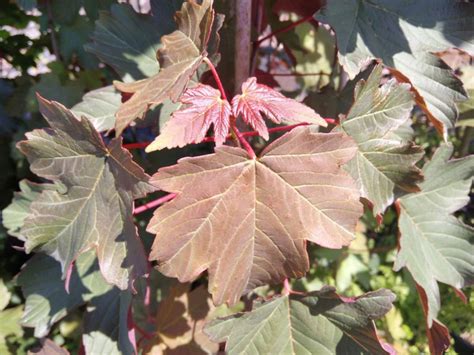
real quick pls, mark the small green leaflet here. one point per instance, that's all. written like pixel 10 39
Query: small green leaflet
pixel 435 245
pixel 404 34
pixel 93 203
pixel 320 322
pixel 384 164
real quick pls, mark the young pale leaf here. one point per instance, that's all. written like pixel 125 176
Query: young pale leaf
pixel 403 34
pixel 99 106
pixel 180 56
pixel 320 322
pixel 93 204
pixel 434 245
pixel 247 221
pixel 384 163
pixel 190 124
pixel 128 41
pixel 257 99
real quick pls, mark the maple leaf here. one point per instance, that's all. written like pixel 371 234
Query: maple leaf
pixel 257 98
pixel 405 48
pixel 320 322
pixel 248 220
pixel 181 54
pixel 434 245
pixel 93 202
pixel 385 163
pixel 190 124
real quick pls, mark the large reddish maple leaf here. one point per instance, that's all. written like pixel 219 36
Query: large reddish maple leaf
pixel 205 107
pixel 247 221
pixel 257 99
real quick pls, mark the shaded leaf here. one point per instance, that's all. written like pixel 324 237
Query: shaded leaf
pixel 434 245
pixel 13 217
pixel 180 56
pixel 205 107
pixel 384 164
pixel 99 107
pixel 71 42
pixel 128 41
pixel 320 322
pixel 180 320
pixel 300 7
pixel 106 329
pixel 47 301
pixel 94 202
pixel 48 347
pixel 236 227
pixel 257 99
pixel 397 33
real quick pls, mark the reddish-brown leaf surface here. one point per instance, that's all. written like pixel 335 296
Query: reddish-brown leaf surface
pixel 205 107
pixel 180 56
pixel 257 99
pixel 300 7
pixel 247 221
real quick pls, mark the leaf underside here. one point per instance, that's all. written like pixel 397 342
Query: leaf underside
pixel 237 228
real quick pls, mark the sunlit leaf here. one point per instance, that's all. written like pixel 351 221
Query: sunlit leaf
pixel 404 34
pixel 257 99
pixel 190 124
pixel 180 55
pixel 320 322
pixel 384 164
pixel 228 219
pixel 99 106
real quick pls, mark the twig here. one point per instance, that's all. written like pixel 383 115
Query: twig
pixel 243 28
pixel 154 203
pixel 54 42
pixel 300 74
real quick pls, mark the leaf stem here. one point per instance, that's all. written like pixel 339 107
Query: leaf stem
pixel 154 203
pixel 233 126
pixel 285 29
pixel 216 77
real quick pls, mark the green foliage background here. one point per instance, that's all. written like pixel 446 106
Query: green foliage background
pixel 365 266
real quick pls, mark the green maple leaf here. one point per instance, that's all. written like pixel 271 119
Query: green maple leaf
pixel 92 205
pixel 384 164
pixel 435 245
pixel 319 322
pixel 404 35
